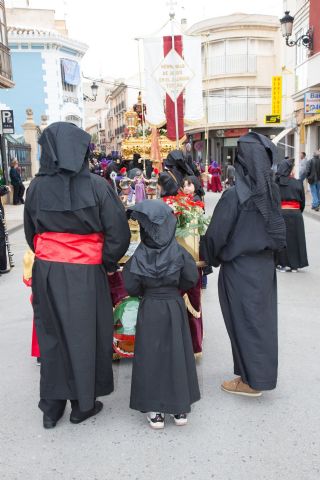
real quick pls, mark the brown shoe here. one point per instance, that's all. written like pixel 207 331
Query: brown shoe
pixel 238 387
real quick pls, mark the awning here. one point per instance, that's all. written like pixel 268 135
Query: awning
pixel 309 120
pixel 282 134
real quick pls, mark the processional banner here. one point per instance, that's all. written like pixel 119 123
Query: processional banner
pixel 173 73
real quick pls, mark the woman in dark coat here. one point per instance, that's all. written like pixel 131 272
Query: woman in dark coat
pixel 292 203
pixel 164 378
pixel 16 181
pixel 246 230
pixel 77 227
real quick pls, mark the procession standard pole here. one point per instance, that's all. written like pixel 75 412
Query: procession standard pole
pixel 172 15
pixel 207 111
pixel 142 112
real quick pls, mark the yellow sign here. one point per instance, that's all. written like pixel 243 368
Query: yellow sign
pixel 272 119
pixel 277 96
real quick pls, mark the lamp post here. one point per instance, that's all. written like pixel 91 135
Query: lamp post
pixel 305 40
pixel 94 91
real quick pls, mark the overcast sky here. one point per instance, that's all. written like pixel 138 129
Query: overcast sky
pixel 110 26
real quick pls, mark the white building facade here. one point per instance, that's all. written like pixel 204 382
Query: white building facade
pixel 240 54
pixel 46 65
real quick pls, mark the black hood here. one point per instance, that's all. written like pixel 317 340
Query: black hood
pixel 63 147
pixel 176 159
pixel 255 156
pixel 283 171
pixel 158 254
pixel 66 181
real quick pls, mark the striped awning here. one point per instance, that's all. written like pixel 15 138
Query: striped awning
pixel 309 120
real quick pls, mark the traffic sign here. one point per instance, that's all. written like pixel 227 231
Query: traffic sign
pixel 7 121
pixel 272 119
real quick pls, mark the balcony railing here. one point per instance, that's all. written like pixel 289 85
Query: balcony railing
pixel 5 62
pixel 230 64
pixel 233 112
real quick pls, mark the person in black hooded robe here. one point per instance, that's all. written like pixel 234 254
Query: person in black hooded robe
pixel 293 203
pixel 77 227
pixel 246 230
pixel 176 168
pixel 164 378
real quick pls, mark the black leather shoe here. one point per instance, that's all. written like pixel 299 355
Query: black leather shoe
pixel 48 422
pixel 7 270
pixel 79 416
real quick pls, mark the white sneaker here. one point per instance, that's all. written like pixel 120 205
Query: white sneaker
pixel 282 269
pixel 294 270
pixel 156 420
pixel 180 419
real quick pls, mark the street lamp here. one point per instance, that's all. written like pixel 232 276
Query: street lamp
pixel 94 91
pixel 287 26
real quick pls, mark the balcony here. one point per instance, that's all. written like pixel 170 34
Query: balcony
pixel 6 80
pixel 233 112
pixel 230 65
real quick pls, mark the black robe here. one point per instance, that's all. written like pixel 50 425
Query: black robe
pixel 72 304
pixel 295 255
pixel 237 240
pixel 164 377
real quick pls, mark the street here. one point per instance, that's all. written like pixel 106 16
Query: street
pixel 275 437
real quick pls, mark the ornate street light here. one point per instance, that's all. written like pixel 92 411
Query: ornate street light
pixel 94 91
pixel 287 26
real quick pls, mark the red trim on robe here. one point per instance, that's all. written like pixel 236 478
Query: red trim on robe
pixel 290 204
pixel 69 247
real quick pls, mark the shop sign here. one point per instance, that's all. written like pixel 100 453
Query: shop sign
pixel 236 132
pixel 277 95
pixel 312 102
pixel 196 136
pixel 272 119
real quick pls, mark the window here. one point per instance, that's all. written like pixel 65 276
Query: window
pixel 229 56
pixel 74 119
pixel 234 104
pixel 260 46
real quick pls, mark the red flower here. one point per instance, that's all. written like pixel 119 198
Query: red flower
pixel 156 171
pixel 123 170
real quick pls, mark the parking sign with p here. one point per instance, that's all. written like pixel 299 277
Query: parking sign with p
pixel 7 121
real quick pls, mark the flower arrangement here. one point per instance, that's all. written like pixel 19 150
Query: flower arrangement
pixel 190 215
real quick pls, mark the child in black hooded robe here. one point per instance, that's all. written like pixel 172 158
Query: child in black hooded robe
pixel 164 378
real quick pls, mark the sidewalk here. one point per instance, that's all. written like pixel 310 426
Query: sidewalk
pixel 308 211
pixel 14 217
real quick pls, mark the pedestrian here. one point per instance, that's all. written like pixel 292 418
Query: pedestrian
pixel 247 278
pixel 16 182
pixel 4 189
pixel 231 173
pixel 303 166
pixel 292 202
pixel 77 227
pixel 313 177
pixel 164 377
pixel 214 184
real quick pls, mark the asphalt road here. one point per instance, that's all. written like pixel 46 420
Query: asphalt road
pixel 275 437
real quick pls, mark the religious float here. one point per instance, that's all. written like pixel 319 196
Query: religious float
pixel 154 127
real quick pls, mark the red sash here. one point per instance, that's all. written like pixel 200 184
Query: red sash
pixel 293 204
pixel 69 247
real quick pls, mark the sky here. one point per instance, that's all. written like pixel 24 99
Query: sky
pixel 109 27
